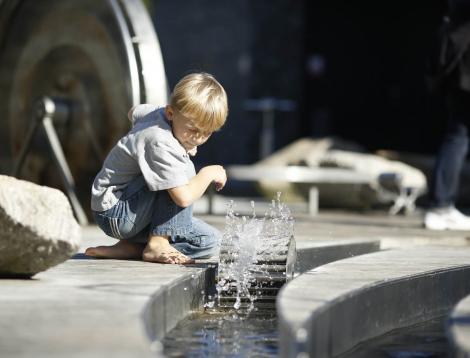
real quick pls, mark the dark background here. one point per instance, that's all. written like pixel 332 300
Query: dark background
pixel 355 69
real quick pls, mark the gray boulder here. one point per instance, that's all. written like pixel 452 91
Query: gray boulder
pixel 37 228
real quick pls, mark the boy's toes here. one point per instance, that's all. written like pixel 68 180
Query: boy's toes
pixel 171 257
pixel 186 260
pixel 183 259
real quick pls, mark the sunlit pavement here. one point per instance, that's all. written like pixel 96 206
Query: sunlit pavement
pixel 86 307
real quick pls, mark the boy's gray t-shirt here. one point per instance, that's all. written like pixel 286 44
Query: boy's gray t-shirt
pixel 148 149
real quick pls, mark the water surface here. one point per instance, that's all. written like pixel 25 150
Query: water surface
pixel 224 334
pixel 425 340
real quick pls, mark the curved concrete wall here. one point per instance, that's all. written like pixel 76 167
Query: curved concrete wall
pixel 174 301
pixel 458 328
pixel 311 254
pixel 329 310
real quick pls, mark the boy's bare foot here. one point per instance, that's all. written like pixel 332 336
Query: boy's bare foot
pixel 122 250
pixel 159 250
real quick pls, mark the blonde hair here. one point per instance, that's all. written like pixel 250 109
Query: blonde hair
pixel 200 97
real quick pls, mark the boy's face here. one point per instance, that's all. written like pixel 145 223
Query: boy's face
pixel 185 131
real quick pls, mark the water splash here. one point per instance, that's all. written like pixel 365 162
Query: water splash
pixel 248 246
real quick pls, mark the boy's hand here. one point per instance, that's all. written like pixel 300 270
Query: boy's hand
pixel 219 176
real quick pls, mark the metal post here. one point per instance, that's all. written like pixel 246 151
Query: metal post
pixel 268 106
pixel 210 199
pixel 25 148
pixel 45 111
pixel 267 133
pixel 313 199
pixel 64 169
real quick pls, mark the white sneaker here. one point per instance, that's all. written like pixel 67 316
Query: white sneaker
pixel 446 219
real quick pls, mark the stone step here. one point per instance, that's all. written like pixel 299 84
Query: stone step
pixel 259 290
pixel 245 306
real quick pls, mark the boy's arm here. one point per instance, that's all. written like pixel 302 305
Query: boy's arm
pixel 185 195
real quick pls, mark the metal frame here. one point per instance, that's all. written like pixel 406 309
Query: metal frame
pixel 402 198
pixel 44 116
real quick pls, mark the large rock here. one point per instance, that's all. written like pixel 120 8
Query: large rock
pixel 37 228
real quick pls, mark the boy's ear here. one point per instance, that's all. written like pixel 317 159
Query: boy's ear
pixel 169 112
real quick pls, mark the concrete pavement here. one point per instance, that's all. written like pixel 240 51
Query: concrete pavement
pixel 89 308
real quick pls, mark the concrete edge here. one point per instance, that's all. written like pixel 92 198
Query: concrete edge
pixel 458 328
pixel 173 302
pixel 332 325
pixel 311 255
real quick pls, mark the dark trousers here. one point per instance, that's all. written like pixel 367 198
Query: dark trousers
pixel 448 165
pixel 452 153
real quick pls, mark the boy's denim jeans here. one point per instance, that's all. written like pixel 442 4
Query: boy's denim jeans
pixel 140 212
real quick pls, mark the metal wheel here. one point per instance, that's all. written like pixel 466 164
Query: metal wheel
pixel 100 57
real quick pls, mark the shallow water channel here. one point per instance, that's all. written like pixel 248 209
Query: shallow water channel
pixel 426 340
pixel 230 335
pixel 256 258
pixel 222 334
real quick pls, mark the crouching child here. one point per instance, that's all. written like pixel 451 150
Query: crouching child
pixel 144 192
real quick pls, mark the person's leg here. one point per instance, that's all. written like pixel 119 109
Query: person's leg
pixel 128 221
pixel 448 166
pixel 201 242
pixel 444 215
pixel 450 160
pixel 169 220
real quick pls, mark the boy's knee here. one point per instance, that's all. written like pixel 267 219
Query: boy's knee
pixel 210 243
pixel 211 240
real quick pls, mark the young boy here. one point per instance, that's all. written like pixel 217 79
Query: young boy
pixel 144 193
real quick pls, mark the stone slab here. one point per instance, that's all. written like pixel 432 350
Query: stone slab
pixel 87 307
pixel 329 310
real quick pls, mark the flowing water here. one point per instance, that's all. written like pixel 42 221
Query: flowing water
pixel 425 340
pixel 253 255
pixel 222 334
pixel 226 335
pixel 253 252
